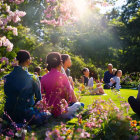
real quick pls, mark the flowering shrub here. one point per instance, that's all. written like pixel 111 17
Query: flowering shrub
pixel 131 80
pixel 7 17
pixel 102 120
pixel 61 12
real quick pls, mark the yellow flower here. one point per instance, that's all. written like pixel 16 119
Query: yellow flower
pixel 82 87
pixel 80 121
pixel 68 131
pixel 133 123
pixel 98 112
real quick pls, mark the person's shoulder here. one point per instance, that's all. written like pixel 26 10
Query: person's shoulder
pixel 68 69
pixel 106 72
pixel 116 78
pixel 44 76
pixel 91 78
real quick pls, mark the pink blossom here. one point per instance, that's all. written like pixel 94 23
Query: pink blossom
pixel 4 60
pixel 48 15
pixel 15 31
pixel 10 47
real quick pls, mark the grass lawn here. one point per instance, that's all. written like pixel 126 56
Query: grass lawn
pixel 87 100
pixel 125 93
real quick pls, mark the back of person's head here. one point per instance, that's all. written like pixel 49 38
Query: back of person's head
pixel 53 60
pixel 23 56
pixel 64 57
pixel 114 71
pixel 37 70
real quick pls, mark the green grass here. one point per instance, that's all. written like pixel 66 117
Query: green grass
pixel 87 100
pixel 125 93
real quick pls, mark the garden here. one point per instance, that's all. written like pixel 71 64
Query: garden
pixel 94 33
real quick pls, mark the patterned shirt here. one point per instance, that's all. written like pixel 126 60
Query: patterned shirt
pixel 56 87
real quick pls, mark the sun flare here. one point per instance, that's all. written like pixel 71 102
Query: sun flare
pixel 81 6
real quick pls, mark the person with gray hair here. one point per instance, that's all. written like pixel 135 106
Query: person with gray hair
pixel 107 76
pixel 135 102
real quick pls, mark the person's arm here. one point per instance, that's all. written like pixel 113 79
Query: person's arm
pixel 117 83
pixel 42 86
pixel 37 90
pixel 68 90
pixel 82 79
pixel 105 77
pixel 138 96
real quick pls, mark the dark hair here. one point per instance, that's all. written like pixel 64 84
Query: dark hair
pixel 53 60
pixel 91 74
pixel 37 69
pixel 64 57
pixel 116 72
pixel 84 70
pixel 23 56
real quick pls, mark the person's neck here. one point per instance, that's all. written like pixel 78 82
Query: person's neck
pixel 65 67
pixel 86 76
pixel 59 69
pixel 110 72
pixel 23 66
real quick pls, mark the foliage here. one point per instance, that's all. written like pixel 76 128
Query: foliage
pixel 2 99
pixel 8 18
pixel 130 80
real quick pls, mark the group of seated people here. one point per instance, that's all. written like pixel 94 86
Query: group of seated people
pixel 112 78
pixel 23 90
pixel 88 80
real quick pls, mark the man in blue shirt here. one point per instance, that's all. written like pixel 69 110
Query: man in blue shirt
pixel 22 92
pixel 107 76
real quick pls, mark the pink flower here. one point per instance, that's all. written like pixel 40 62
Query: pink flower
pixel 48 15
pixel 4 60
pixel 10 47
pixel 15 31
pixel 100 121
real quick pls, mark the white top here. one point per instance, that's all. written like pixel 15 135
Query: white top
pixel 90 82
pixel 117 81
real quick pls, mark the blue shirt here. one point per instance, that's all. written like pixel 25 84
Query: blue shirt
pixel 107 76
pixel 21 89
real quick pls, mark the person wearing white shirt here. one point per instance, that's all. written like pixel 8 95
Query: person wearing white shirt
pixel 116 80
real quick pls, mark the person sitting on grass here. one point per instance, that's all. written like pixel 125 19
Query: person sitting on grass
pixel 135 102
pixel 58 91
pixel 66 65
pixel 107 76
pixel 85 77
pixel 22 92
pixel 115 81
pixel 89 82
pixel 37 72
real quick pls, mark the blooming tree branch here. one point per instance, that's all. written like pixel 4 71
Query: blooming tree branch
pixel 7 17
